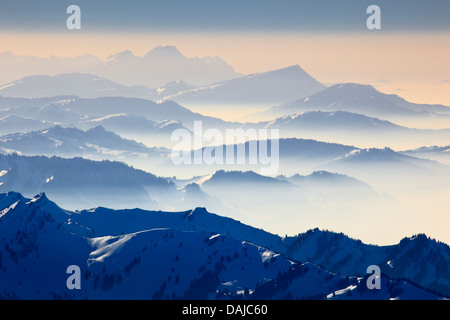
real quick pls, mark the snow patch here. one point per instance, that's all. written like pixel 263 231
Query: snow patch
pixel 267 255
pixel 343 291
pixel 214 236
pixel 109 117
pixel 105 249
pixel 7 86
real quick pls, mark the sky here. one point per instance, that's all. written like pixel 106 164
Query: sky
pixel 328 38
pixel 226 15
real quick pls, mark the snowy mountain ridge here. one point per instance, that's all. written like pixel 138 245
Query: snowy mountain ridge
pixel 38 240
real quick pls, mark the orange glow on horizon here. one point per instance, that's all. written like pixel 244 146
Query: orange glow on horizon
pixel 412 66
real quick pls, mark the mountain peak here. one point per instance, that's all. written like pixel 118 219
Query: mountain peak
pixel 164 51
pixel 222 176
pixel 7 54
pixel 40 199
pixel 121 55
pixel 97 130
pixel 287 71
pixel 354 87
pixel 7 199
pixel 198 211
pixel 194 187
pixel 294 67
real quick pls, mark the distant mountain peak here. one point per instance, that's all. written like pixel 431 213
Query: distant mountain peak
pixel 167 51
pixel 192 187
pixel 294 67
pixel 7 54
pixel 354 86
pixel 120 55
pixel 98 129
pixel 199 210
pixel 7 199
pixel 287 71
pixel 222 176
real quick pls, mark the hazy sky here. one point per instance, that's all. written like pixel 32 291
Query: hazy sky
pixel 328 38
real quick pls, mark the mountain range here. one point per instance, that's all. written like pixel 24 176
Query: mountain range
pixel 154 133
pixel 81 183
pixel 78 183
pixel 14 123
pixel 69 142
pixel 97 143
pixel 118 260
pixel 361 99
pixel 162 65
pixel 125 254
pixel 313 155
pixel 349 160
pixel 436 153
pixel 159 66
pixel 152 123
pixel 260 90
pixel 138 119
pixel 76 84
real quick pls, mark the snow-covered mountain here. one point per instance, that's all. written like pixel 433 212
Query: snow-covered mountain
pixel 39 241
pixel 267 88
pixel 144 120
pixel 436 153
pixel 330 120
pixel 356 98
pixel 138 119
pixel 69 142
pixel 154 133
pixel 7 103
pixel 333 251
pixel 418 258
pixel 108 106
pixel 352 128
pixel 76 84
pixel 171 88
pixel 386 161
pixel 50 109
